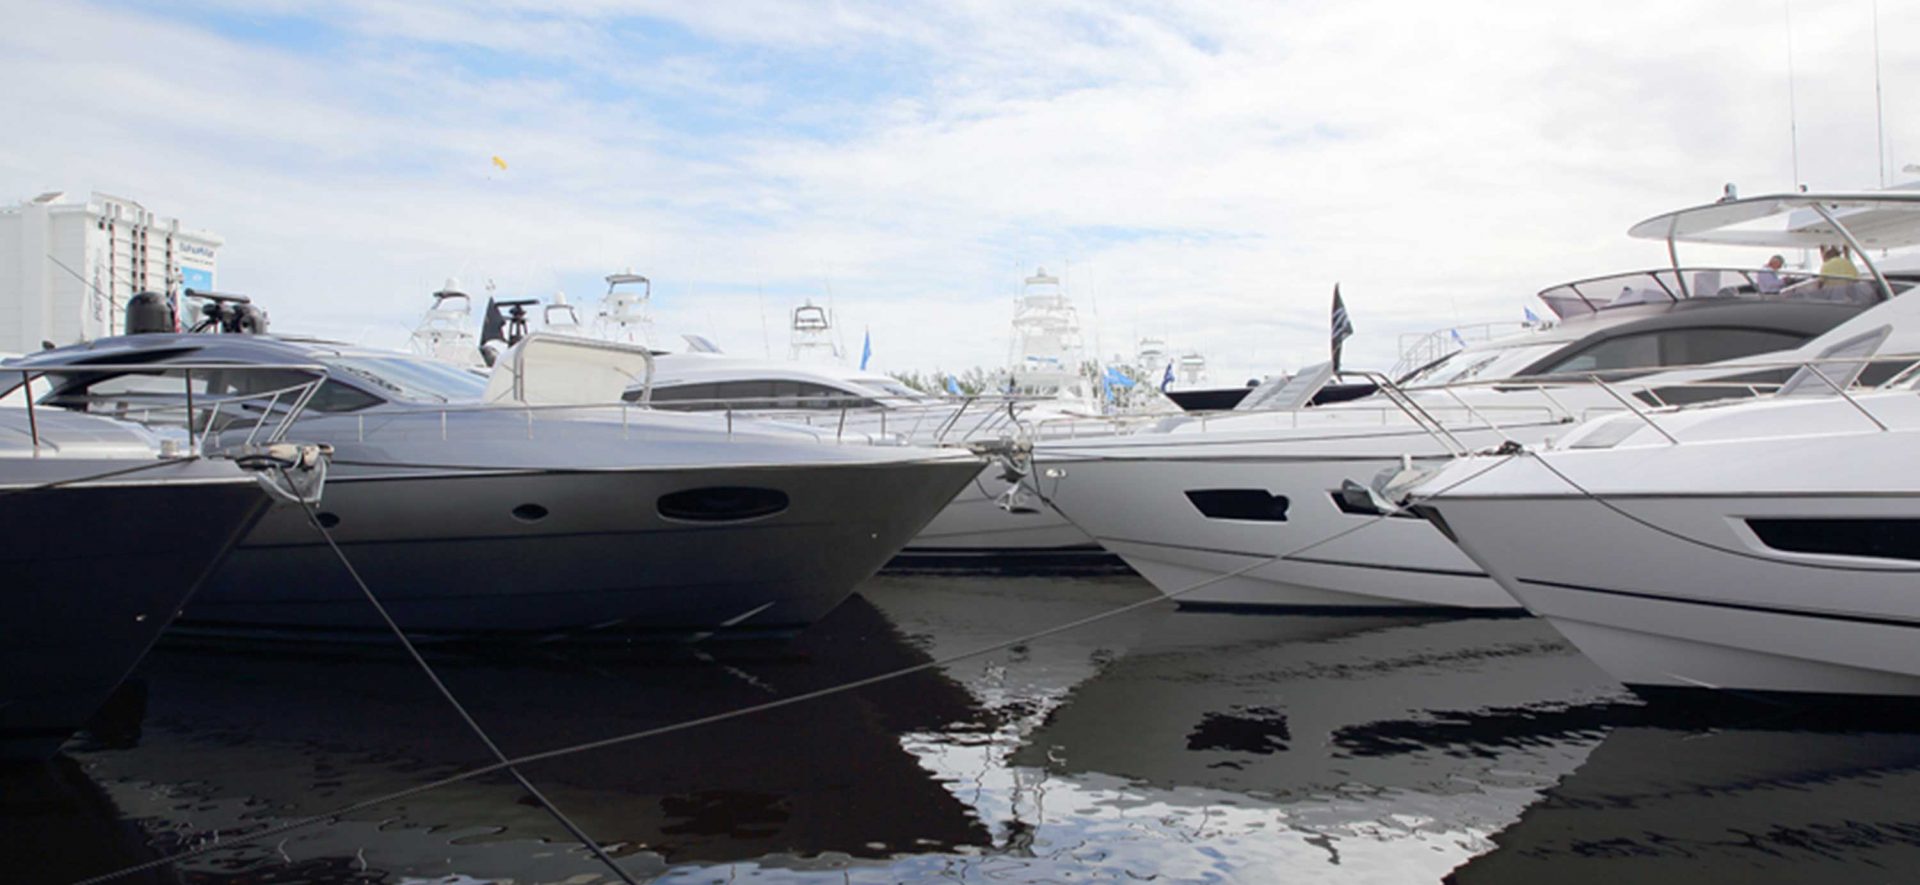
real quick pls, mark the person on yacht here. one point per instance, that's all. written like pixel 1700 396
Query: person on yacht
pixel 1768 281
pixel 1837 265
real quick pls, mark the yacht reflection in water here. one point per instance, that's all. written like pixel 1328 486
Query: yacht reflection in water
pixel 235 742
pixel 1742 795
pixel 1373 746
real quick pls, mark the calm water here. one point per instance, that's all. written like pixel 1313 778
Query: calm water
pixel 1159 746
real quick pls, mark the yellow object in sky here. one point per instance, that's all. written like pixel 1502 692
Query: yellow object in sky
pixel 500 163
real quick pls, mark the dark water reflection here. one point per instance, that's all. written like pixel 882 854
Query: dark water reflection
pixel 1163 745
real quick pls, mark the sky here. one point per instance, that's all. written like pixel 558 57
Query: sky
pixel 1203 173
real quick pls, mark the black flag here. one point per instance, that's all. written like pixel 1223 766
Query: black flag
pixel 1342 326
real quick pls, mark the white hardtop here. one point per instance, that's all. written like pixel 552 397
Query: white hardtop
pixel 1888 219
pixel 706 368
pixel 548 369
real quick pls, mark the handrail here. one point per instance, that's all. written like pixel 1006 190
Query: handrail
pixel 1649 412
pixel 302 393
pixel 1800 285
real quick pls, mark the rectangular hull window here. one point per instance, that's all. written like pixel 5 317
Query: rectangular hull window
pixel 1879 538
pixel 1251 504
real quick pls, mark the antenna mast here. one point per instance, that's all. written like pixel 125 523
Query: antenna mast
pixel 1879 115
pixel 1793 106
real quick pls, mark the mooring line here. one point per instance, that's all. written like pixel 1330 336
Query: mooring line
pixel 506 764
pixel 472 725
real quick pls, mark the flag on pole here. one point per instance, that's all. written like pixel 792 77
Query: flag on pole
pixel 953 386
pixel 1166 378
pixel 1533 319
pixel 1342 325
pixel 866 350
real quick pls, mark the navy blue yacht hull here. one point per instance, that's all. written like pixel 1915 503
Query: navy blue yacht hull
pixel 93 574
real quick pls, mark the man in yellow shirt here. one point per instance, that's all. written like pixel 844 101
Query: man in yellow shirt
pixel 1838 264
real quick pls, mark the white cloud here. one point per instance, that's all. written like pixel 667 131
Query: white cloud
pixel 1208 171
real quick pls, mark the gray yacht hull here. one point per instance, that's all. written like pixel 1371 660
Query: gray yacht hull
pixel 550 553
pixel 93 575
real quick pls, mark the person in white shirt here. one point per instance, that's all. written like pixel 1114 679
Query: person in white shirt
pixel 1768 280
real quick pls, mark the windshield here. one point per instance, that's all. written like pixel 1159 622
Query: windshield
pixel 411 380
pixel 890 387
pixel 1468 365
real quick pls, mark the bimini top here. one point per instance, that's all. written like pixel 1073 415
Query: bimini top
pixel 1888 219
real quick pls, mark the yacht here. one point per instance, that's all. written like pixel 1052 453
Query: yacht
pixel 625 313
pixel 811 336
pixel 1046 354
pixel 534 504
pixel 1248 510
pixel 83 606
pixel 990 524
pixel 559 318
pixel 446 331
pixel 1758 546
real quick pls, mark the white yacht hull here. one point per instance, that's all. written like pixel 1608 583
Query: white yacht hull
pixel 1678 589
pixel 1134 502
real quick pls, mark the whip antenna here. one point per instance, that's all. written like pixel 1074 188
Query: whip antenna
pixel 1793 105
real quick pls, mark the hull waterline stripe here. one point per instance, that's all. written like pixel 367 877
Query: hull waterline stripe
pixel 1738 606
pixel 1381 566
pixel 1410 569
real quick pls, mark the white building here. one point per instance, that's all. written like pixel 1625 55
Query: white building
pixel 68 267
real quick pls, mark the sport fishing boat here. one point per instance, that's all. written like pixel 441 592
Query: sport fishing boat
pixel 445 331
pixel 1046 352
pixel 1248 509
pixel 1760 546
pixel 83 606
pixel 535 504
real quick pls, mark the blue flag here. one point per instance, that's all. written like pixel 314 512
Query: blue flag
pixel 953 386
pixel 1457 339
pixel 1532 318
pixel 1167 377
pixel 866 350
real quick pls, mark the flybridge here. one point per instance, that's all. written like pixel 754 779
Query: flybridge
pixel 1859 220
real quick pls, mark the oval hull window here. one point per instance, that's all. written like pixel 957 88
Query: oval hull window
pixel 722 504
pixel 529 513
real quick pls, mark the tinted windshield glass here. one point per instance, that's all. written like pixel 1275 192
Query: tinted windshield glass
pixel 1468 365
pixel 1675 347
pixel 891 387
pixel 412 380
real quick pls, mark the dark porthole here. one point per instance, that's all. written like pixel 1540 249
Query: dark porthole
pixel 722 504
pixel 328 520
pixel 529 513
pixel 1877 538
pixel 1254 504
